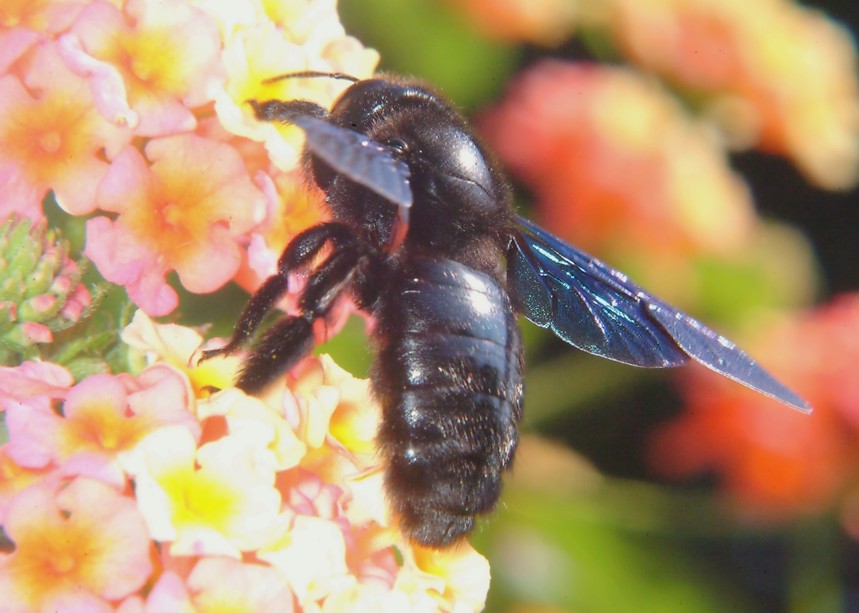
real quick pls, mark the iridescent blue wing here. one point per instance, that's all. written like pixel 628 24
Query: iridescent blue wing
pixel 348 152
pixel 358 158
pixel 599 310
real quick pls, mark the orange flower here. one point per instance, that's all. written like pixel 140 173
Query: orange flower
pixel 165 54
pixel 777 463
pixel 614 162
pixel 52 137
pixel 781 76
pixel 81 544
pixel 545 22
pixel 102 417
pixel 179 210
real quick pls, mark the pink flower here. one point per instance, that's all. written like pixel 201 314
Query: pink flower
pixel 222 584
pixel 155 69
pixel 15 478
pixel 272 502
pixel 181 209
pixel 36 383
pixel 102 417
pixel 52 137
pixel 23 23
pixel 166 54
pixel 81 543
pixel 287 485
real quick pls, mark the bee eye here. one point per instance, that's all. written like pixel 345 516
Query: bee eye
pixel 397 144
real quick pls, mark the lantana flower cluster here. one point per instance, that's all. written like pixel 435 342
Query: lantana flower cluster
pixel 160 487
pixel 151 493
pixel 773 74
pixel 134 114
pixel 586 126
pixel 776 75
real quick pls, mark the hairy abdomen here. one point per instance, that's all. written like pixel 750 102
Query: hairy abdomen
pixel 449 375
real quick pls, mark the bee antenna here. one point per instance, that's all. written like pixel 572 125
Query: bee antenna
pixel 310 74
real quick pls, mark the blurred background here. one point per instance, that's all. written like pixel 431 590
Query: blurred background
pixel 710 149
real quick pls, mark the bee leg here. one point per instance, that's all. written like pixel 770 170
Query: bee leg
pixel 280 349
pixel 292 338
pixel 301 250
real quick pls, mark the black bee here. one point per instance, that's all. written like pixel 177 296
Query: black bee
pixel 424 238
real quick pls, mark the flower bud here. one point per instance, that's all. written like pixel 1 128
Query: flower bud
pixel 40 291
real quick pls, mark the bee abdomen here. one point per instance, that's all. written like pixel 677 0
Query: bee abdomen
pixel 451 386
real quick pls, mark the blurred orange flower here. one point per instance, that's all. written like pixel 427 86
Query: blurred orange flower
pixel 777 463
pixel 780 76
pixel 772 73
pixel 545 22
pixel 614 161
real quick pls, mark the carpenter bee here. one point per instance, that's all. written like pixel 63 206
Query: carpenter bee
pixel 424 238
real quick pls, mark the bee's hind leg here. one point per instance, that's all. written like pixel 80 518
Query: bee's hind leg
pixel 300 252
pixel 292 338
